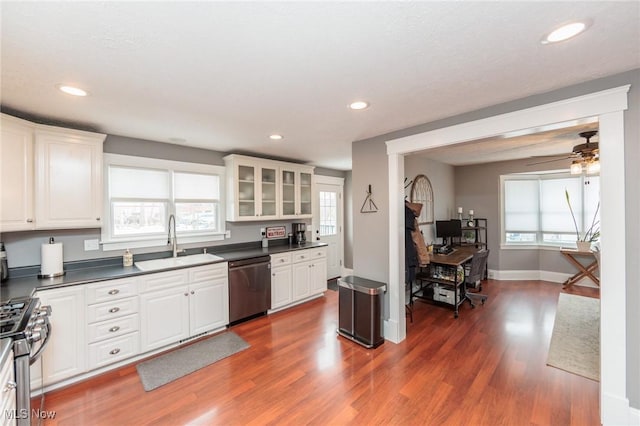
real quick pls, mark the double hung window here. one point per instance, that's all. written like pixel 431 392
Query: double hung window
pixel 535 209
pixel 141 194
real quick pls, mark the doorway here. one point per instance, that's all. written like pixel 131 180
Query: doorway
pixel 608 106
pixel 328 221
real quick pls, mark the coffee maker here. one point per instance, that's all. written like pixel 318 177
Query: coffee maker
pixel 299 230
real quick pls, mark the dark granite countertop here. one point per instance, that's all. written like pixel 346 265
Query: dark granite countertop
pixel 102 270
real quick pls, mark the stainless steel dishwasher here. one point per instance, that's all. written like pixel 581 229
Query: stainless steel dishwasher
pixel 249 288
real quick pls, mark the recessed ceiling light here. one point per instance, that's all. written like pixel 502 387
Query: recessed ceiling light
pixel 359 105
pixel 70 90
pixel 276 137
pixel 565 32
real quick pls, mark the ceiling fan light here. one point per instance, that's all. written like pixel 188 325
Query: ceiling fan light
pixel 593 167
pixel 576 168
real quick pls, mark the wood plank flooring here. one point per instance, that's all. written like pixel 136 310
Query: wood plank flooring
pixel 485 368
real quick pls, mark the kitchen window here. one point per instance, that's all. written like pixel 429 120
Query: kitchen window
pixel 141 193
pixel 535 210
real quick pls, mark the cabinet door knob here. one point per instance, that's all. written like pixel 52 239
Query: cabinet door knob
pixel 193 292
pixel 29 220
pixel 114 310
pixel 114 291
pixel 114 351
pixel 114 329
pixel 186 294
pixel 97 218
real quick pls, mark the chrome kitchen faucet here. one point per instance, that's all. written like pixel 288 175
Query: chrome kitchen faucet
pixel 173 241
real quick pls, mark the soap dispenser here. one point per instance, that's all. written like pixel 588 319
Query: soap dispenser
pixel 127 258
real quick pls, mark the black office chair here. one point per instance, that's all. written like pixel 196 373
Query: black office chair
pixel 475 275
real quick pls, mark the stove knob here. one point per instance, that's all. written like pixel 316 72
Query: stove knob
pixel 36 333
pixel 43 311
pixel 40 321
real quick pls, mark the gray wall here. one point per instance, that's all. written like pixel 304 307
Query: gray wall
pixel 370 166
pixel 477 187
pixel 23 248
pixel 348 220
pixel 442 178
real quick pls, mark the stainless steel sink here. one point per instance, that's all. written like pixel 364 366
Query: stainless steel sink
pixel 176 262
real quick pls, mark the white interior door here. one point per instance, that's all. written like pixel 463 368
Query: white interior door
pixel 327 221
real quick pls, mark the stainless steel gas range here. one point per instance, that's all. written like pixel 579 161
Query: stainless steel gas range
pixel 26 323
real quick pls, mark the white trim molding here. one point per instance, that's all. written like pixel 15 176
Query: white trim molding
pixel 608 106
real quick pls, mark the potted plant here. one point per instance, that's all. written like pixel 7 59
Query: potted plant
pixel 593 233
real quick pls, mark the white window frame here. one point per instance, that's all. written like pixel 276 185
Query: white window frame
pixel 539 244
pixel 110 242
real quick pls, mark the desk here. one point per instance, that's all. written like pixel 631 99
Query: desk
pixel 458 258
pixel 583 271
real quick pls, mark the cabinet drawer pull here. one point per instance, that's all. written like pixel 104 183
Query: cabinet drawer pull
pixel 11 385
pixel 281 260
pixel 114 329
pixel 97 218
pixel 186 294
pixel 114 310
pixel 114 351
pixel 29 220
pixel 114 291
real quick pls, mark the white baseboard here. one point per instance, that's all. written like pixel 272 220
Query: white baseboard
pixel 391 331
pixel 634 416
pixel 520 275
pixel 615 410
pixel 346 271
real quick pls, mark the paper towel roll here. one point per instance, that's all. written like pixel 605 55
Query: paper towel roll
pixel 51 255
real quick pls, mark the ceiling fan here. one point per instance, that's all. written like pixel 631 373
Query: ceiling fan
pixel 585 155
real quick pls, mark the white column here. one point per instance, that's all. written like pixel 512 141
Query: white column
pixel 613 352
pixel 395 327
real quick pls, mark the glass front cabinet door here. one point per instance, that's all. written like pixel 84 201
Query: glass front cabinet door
pixel 260 189
pixel 296 192
pixel 252 189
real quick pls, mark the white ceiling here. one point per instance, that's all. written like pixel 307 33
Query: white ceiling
pixel 226 75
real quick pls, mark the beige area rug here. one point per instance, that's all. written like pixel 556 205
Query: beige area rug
pixel 173 365
pixel 575 341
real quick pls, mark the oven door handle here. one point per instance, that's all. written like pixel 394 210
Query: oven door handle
pixel 35 356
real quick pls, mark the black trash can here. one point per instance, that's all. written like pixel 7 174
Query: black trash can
pixel 360 310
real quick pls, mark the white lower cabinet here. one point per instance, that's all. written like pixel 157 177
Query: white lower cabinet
pixel 164 314
pixel 281 280
pixel 188 302
pixel 208 298
pixel 113 321
pixel 297 276
pixel 65 354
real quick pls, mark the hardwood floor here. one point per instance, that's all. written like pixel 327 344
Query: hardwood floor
pixel 485 368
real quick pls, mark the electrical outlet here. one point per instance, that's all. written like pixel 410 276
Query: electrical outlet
pixel 227 234
pixel 90 245
pixel 263 232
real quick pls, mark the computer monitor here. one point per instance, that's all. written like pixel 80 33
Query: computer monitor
pixel 446 229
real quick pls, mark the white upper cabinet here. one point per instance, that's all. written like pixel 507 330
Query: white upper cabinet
pixel 296 192
pixel 16 175
pixel 68 179
pixel 259 189
pixel 51 177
